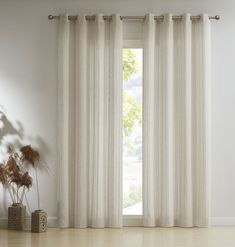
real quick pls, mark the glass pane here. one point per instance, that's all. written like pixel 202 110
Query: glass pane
pixel 132 131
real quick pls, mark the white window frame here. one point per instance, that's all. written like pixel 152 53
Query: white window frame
pixel 133 43
pixel 133 220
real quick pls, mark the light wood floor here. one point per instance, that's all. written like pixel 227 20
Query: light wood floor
pixel 129 236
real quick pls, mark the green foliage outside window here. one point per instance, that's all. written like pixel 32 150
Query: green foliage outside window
pixel 134 196
pixel 131 109
pixel 132 117
pixel 130 64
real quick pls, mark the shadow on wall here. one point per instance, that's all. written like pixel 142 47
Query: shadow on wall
pixel 8 129
pixel 13 133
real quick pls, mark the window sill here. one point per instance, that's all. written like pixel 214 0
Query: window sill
pixel 132 220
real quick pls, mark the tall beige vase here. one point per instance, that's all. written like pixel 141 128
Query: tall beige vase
pixel 16 216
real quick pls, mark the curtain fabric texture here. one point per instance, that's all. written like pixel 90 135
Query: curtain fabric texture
pixel 90 122
pixel 176 121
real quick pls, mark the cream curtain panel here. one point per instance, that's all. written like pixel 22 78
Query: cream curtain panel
pixel 176 116
pixel 176 122
pixel 90 122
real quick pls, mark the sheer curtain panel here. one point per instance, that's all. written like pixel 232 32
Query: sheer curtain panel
pixel 176 116
pixel 176 122
pixel 90 122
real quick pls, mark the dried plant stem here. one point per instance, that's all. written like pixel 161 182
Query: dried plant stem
pixel 10 190
pixel 14 194
pixel 17 194
pixel 38 194
pixel 22 195
pixel 11 195
pixel 27 204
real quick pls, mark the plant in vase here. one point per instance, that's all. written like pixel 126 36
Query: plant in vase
pixel 14 176
pixel 38 217
pixel 16 179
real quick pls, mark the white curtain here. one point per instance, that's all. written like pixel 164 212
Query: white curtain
pixel 176 115
pixel 176 122
pixel 90 122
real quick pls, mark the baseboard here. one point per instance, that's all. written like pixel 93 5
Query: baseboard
pixel 215 221
pixel 223 221
pixel 51 222
pixel 128 221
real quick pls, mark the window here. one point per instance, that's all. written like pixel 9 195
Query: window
pixel 132 131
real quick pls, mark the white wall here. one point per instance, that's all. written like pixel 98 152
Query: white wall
pixel 28 83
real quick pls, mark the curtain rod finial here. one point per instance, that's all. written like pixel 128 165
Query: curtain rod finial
pixel 50 17
pixel 217 17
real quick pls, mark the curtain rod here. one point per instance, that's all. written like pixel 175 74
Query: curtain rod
pixel 109 17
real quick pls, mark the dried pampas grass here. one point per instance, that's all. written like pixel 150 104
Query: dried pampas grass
pixel 3 178
pixel 26 180
pixel 14 175
pixel 29 155
pixel 16 178
pixel 11 165
pixel 10 149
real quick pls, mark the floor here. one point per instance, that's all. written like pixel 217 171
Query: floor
pixel 129 236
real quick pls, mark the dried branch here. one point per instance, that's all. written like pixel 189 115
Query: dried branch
pixel 29 155
pixel 14 175
pixel 3 178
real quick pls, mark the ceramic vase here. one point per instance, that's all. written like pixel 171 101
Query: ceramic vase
pixel 16 216
pixel 39 221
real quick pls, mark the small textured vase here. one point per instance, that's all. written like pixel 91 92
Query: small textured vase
pixel 39 221
pixel 16 216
